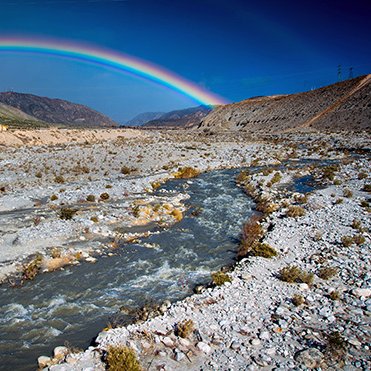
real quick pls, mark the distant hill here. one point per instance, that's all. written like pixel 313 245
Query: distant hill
pixel 180 118
pixel 16 118
pixel 55 111
pixel 342 106
pixel 143 118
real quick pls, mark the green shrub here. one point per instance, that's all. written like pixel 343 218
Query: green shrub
pixel 367 187
pixel 358 239
pixel 121 358
pixel 53 197
pixel 220 278
pixel 67 213
pixel 347 241
pixel 104 196
pixel 263 249
pixel 90 198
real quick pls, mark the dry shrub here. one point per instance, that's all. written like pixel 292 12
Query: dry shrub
pixel 67 213
pixel 252 231
pixel 293 274
pixel 90 198
pixel 347 193
pixel 186 173
pixel 104 196
pixel 262 249
pixel 185 328
pixel 121 358
pixel 327 272
pixel 267 207
pixel 177 214
pixel 297 300
pixel 59 179
pixel 31 269
pixel 295 211
pixel 347 241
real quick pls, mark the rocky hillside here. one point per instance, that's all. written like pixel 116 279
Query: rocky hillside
pixel 143 118
pixel 180 118
pixel 342 106
pixel 15 118
pixel 55 111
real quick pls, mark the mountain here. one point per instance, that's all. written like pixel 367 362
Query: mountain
pixel 342 106
pixel 16 118
pixel 143 118
pixel 180 118
pixel 56 111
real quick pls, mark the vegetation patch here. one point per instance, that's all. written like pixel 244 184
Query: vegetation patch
pixel 67 213
pixel 186 173
pixel 31 269
pixel 252 232
pixel 293 274
pixel 327 272
pixel 262 249
pixel 185 328
pixel 298 300
pixel 295 211
pixel 121 358
pixel 220 278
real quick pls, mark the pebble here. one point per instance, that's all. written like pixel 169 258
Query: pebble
pixel 43 361
pixel 168 342
pixel 203 347
pixel 365 293
pixel 255 342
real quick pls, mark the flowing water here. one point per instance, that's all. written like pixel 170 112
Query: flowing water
pixel 75 304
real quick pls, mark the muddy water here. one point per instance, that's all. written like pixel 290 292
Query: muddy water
pixel 75 304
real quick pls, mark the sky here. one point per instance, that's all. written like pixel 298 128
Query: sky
pixel 235 49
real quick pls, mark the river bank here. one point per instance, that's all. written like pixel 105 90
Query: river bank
pixel 258 320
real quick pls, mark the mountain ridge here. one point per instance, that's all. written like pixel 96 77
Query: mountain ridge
pixel 55 110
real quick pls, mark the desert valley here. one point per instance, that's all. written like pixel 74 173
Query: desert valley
pixel 235 237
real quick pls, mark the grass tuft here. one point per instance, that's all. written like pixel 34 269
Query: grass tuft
pixel 121 358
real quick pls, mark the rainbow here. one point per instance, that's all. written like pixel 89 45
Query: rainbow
pixel 111 59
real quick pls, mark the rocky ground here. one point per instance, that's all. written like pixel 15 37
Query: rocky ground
pixel 258 320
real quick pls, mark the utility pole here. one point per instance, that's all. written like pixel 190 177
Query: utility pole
pixel 339 72
pixel 350 73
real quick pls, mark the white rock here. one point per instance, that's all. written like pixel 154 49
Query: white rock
pixel 43 361
pixel 362 293
pixel 168 342
pixel 255 342
pixel 264 335
pixel 303 287
pixel 184 342
pixel 203 347
pixel 60 351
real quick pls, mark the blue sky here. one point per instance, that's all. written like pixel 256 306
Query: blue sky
pixel 236 49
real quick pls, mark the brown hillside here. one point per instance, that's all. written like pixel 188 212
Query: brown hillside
pixel 342 106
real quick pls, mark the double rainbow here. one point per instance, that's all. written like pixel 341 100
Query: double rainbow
pixel 112 59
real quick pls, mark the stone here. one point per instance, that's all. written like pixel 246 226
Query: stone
pixel 164 306
pixel 60 352
pixel 43 361
pixel 203 347
pixel 199 289
pixel 310 358
pixel 184 342
pixel 179 355
pixel 264 335
pixel 168 342
pixel 235 345
pixel 362 293
pixel 255 342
